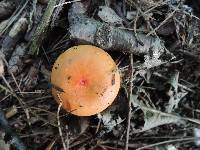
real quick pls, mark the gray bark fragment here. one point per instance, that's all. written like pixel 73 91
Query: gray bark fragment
pixel 15 64
pixel 109 37
pixel 14 36
pixel 90 31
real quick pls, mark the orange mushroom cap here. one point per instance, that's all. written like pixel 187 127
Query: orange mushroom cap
pixel 86 79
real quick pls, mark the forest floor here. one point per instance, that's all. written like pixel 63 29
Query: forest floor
pixel 155 44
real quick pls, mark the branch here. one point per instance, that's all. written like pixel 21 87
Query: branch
pixel 41 30
pixel 88 30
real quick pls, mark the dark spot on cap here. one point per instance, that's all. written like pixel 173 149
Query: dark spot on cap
pixel 69 77
pixel 104 90
pixel 113 79
pixel 113 70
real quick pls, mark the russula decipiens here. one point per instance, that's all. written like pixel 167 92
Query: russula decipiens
pixel 85 79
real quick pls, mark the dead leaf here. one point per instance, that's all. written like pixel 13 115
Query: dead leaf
pixel 131 15
pixel 15 64
pixel 110 118
pixel 3 145
pixel 108 15
pixel 175 95
pixel 152 118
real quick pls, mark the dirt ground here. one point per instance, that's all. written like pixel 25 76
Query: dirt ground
pixel 155 44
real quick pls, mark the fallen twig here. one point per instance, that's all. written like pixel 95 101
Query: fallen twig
pixel 40 33
pixel 129 103
pixel 169 141
pixel 59 126
pixel 15 15
pixel 108 37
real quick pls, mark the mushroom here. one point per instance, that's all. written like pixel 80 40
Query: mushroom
pixel 85 79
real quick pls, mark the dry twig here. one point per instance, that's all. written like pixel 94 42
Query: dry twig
pixel 42 28
pixel 129 103
pixel 167 142
pixel 108 37
pixel 59 126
